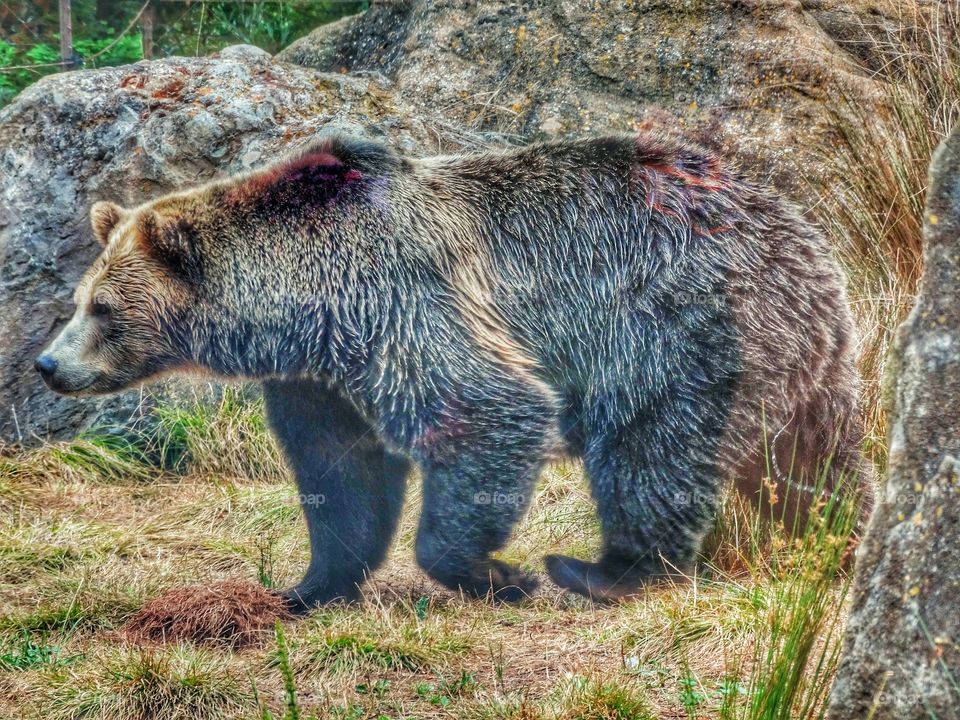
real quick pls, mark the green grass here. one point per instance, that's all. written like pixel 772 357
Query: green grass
pixel 30 652
pixel 798 646
pixel 179 683
pixel 226 438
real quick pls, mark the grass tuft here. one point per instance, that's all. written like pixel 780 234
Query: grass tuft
pixel 797 640
pixel 593 699
pixel 181 683
pixel 227 438
pixel 391 638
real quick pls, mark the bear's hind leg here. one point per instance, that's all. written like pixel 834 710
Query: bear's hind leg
pixel 351 488
pixel 656 484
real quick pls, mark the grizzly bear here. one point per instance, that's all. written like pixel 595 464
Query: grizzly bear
pixel 630 301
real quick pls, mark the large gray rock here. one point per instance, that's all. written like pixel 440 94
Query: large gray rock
pixel 128 134
pixel 902 649
pixel 752 78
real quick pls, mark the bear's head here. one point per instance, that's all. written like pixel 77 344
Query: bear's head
pixel 239 277
pixel 124 304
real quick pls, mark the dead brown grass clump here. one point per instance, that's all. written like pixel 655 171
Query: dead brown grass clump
pixel 229 613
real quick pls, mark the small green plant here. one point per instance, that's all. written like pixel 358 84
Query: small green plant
pixel 289 684
pixel 691 695
pixel 265 561
pixel 731 691
pixel 348 712
pixel 378 689
pixel 420 607
pixel 27 654
pixel 282 662
pixel 445 691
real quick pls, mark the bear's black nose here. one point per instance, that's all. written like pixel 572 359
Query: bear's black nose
pixel 46 366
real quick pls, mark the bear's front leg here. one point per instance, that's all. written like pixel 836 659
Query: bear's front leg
pixel 480 466
pixel 351 488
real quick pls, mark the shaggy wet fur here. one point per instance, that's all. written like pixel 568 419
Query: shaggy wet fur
pixel 626 300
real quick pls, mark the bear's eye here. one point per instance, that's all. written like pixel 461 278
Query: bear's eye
pixel 99 309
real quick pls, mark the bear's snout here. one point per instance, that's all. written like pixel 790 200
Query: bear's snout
pixel 46 365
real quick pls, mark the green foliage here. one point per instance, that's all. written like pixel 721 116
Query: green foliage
pixel 14 79
pixel 692 695
pixel 7 53
pixel 41 53
pixel 421 606
pixel 208 26
pixel 444 692
pixel 104 52
pixel 108 32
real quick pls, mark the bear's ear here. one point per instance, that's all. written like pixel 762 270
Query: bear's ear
pixel 104 217
pixel 170 242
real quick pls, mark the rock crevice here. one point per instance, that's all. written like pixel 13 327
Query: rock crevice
pixel 902 648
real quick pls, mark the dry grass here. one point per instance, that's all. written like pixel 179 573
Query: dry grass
pixel 875 218
pixel 86 555
pixel 230 612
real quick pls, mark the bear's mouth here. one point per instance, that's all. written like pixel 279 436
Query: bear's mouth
pixel 71 388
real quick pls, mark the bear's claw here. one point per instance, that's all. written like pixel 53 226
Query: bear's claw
pixel 509 584
pixel 593 580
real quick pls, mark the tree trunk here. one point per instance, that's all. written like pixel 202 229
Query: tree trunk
pixel 146 30
pixel 902 648
pixel 66 34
